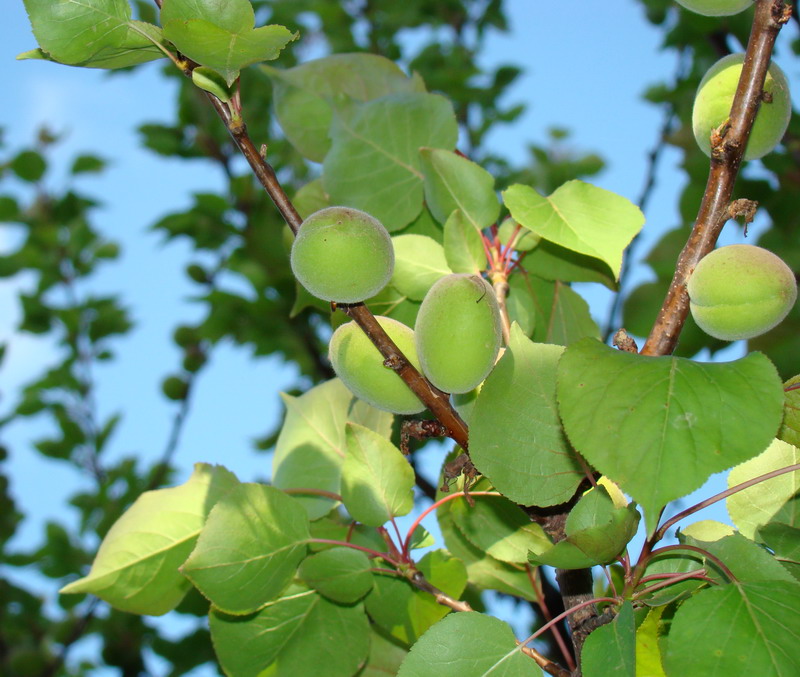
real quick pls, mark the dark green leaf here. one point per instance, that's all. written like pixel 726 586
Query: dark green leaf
pixel 341 574
pixel 611 648
pixel 516 439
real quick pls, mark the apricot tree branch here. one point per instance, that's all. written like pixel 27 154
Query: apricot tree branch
pixel 726 158
pixel 437 401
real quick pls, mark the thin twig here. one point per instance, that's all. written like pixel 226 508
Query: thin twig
pixel 726 158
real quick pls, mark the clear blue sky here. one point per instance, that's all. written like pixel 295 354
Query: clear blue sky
pixel 585 72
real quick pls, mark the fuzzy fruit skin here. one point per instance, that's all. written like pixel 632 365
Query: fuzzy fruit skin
pixel 712 106
pixel 342 254
pixel 716 7
pixel 458 332
pixel 360 366
pixel 740 291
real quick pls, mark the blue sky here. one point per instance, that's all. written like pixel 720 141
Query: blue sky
pixel 584 72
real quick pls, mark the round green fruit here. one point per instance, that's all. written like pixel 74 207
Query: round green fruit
pixel 712 106
pixel 360 366
pixel 716 7
pixel 740 291
pixel 525 239
pixel 458 332
pixel 342 254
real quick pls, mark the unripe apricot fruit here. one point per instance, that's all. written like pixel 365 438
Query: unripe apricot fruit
pixel 712 106
pixel 360 366
pixel 342 254
pixel 716 7
pixel 458 332
pixel 740 291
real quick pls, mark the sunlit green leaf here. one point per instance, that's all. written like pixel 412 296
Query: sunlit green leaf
pixel 136 567
pixel 311 446
pixel 660 426
pixel 377 480
pixel 648 650
pixel 418 262
pixel 249 548
pixel 463 247
pixel 757 505
pixel 579 216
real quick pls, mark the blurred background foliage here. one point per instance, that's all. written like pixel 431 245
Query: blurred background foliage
pixel 236 234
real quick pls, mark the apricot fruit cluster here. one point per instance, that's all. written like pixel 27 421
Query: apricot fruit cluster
pixel 712 106
pixel 740 291
pixel 342 254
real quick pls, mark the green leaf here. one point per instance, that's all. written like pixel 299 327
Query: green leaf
pixel 757 505
pixel 385 655
pixel 341 574
pixel 249 549
pixel 660 426
pixel 596 533
pixel 498 527
pixel 311 445
pixel 483 570
pixel 611 648
pixel 377 480
pixel 221 35
pixel 136 567
pixel 552 311
pixel 374 166
pixel 301 633
pixel 84 164
pixel 732 629
pixel 552 262
pixel 648 650
pixel 579 216
pixel 92 33
pixel 29 166
pixel 467 643
pixel 790 429
pixel 784 541
pixel 303 95
pixel 747 561
pixel 406 611
pixel 463 246
pixel 516 438
pixel 418 262
pixel 455 182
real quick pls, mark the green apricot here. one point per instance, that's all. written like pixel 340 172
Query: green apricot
pixel 712 106
pixel 716 7
pixel 342 254
pixel 525 240
pixel 740 291
pixel 458 332
pixel 360 366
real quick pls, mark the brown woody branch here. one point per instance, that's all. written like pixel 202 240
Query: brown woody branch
pixel 726 158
